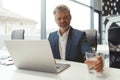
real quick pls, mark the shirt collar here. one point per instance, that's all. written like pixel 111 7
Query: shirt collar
pixel 65 34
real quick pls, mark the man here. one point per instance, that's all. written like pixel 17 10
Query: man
pixel 68 43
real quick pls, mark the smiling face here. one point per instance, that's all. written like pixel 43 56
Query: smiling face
pixel 62 17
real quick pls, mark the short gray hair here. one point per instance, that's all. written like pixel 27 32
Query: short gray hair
pixel 61 8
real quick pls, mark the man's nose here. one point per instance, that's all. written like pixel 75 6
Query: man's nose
pixel 62 20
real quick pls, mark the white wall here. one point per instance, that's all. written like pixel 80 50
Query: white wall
pixel 0 3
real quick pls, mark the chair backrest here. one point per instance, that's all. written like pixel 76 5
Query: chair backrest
pixel 114 46
pixel 18 34
pixel 92 38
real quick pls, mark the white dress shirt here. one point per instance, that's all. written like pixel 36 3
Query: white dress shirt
pixel 62 44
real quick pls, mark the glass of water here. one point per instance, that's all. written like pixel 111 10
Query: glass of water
pixel 91 56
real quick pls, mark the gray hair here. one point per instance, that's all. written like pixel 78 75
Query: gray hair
pixel 61 8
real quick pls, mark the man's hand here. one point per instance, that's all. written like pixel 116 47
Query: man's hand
pixel 97 63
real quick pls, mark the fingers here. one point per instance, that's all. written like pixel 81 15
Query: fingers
pixel 99 64
pixel 98 67
pixel 99 60
pixel 90 62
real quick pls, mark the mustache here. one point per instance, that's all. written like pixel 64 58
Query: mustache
pixel 63 22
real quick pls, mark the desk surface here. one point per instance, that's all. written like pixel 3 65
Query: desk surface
pixel 77 71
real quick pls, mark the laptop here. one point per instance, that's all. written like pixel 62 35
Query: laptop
pixel 34 55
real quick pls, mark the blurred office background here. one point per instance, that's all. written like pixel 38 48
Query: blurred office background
pixel 36 17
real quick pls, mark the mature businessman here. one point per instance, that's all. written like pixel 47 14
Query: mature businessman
pixel 68 43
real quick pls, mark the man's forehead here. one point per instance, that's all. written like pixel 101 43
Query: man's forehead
pixel 62 12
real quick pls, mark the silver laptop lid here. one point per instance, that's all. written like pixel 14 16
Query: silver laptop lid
pixel 32 54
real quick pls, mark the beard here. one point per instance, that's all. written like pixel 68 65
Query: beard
pixel 63 25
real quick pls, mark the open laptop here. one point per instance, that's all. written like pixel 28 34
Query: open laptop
pixel 34 55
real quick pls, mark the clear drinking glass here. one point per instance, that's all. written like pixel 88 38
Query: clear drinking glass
pixel 91 56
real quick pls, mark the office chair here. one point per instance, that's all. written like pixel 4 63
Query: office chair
pixel 18 34
pixel 114 47
pixel 92 38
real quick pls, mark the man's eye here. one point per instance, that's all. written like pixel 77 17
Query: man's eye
pixel 65 17
pixel 58 19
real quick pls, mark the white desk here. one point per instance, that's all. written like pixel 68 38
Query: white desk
pixel 77 71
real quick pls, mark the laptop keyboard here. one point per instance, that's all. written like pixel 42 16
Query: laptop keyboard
pixel 58 65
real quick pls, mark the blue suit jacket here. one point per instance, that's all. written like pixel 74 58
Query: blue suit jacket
pixel 76 45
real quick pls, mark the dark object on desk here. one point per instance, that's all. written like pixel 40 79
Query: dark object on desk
pixel 92 38
pixel 18 34
pixel 114 46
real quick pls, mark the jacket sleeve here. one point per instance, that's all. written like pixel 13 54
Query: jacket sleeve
pixel 84 45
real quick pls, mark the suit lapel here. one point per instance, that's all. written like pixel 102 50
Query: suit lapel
pixel 69 43
pixel 57 46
